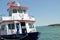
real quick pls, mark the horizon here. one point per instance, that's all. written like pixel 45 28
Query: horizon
pixel 45 11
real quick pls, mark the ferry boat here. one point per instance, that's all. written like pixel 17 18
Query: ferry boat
pixel 18 25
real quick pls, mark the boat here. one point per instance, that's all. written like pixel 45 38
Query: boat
pixel 18 24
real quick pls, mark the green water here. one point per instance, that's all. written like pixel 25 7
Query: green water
pixel 49 33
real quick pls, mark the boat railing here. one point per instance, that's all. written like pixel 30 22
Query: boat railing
pixel 31 17
pixel 2 16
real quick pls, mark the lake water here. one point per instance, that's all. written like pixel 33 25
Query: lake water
pixel 49 32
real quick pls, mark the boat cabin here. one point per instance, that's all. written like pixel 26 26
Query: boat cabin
pixel 18 21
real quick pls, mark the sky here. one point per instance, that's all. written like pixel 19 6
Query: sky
pixel 45 11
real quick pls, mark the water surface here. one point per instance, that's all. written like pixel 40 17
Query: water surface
pixel 49 32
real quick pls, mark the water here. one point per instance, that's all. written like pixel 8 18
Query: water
pixel 49 33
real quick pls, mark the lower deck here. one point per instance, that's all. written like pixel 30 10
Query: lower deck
pixel 16 27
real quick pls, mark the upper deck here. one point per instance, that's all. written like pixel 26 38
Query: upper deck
pixel 18 17
pixel 17 13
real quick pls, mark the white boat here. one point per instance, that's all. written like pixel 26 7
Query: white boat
pixel 18 25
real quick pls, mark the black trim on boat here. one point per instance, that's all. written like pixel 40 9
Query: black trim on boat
pixel 27 36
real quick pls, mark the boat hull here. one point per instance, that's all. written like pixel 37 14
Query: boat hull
pixel 27 36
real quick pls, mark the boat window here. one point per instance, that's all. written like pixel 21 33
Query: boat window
pixel 31 25
pixel 3 27
pixel 23 24
pixel 19 10
pixel 11 26
pixel 24 11
pixel 14 11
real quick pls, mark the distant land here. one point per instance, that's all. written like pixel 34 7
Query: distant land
pixel 54 25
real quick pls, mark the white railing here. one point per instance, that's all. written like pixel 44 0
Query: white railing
pixel 18 17
pixel 6 18
pixel 31 17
